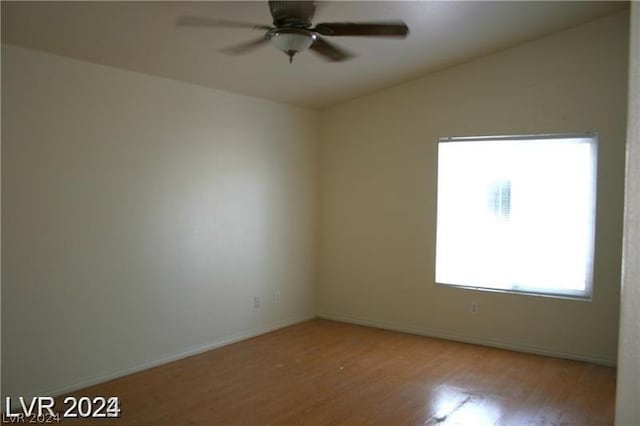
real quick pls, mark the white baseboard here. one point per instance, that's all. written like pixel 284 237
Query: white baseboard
pixel 85 382
pixel 609 362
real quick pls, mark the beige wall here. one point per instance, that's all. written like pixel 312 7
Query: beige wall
pixel 141 216
pixel 378 191
pixel 628 384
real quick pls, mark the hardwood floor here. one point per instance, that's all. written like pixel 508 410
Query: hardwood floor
pixel 328 373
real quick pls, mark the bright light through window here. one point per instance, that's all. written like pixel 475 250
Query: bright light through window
pixel 517 213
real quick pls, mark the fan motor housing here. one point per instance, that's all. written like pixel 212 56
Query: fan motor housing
pixel 293 14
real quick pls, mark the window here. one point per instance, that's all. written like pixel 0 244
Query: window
pixel 517 213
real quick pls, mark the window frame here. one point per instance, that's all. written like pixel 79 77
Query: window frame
pixel 587 294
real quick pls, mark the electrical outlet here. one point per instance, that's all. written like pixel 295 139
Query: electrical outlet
pixel 256 302
pixel 474 307
pixel 276 296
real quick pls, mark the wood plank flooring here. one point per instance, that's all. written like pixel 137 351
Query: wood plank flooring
pixel 328 373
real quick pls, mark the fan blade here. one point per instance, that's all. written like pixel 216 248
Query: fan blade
pixel 199 21
pixel 247 47
pixel 366 29
pixel 330 51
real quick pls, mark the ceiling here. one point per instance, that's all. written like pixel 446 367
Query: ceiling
pixel 143 37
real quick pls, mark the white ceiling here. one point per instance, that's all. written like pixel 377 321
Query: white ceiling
pixel 143 37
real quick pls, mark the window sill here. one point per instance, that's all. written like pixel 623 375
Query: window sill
pixel 579 298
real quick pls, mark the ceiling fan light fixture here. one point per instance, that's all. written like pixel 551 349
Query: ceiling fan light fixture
pixel 291 40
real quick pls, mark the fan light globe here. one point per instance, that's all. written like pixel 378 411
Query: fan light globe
pixel 292 40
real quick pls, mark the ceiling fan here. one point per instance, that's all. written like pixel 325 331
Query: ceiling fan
pixel 292 32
